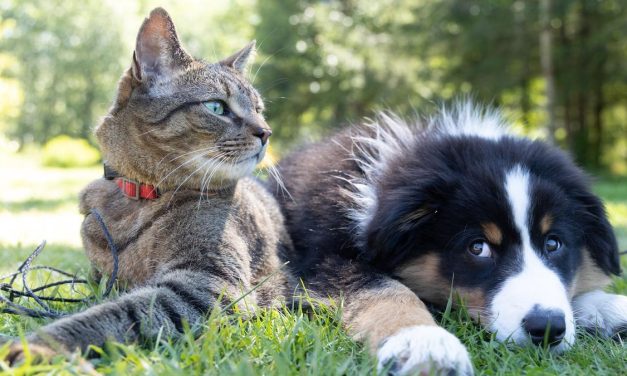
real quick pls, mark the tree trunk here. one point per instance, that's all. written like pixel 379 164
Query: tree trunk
pixel 598 123
pixel 522 50
pixel 583 88
pixel 565 87
pixel 546 61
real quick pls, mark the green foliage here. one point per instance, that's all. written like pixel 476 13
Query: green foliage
pixel 64 151
pixel 69 61
pixel 323 64
pixel 334 62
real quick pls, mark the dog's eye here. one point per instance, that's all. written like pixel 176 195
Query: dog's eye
pixel 480 248
pixel 552 243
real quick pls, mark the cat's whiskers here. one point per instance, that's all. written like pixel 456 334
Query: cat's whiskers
pixel 274 84
pixel 276 175
pixel 235 163
pixel 279 179
pixel 179 166
pixel 261 66
pixel 222 161
pixel 202 181
pixel 187 178
pixel 201 150
pixel 218 162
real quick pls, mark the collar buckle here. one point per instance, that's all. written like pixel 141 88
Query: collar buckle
pixel 129 187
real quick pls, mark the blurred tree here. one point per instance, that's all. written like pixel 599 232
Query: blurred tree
pixel 332 62
pixel 546 62
pixel 495 53
pixel 591 56
pixel 69 61
pixel 325 63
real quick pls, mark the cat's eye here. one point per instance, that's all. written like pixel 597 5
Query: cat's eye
pixel 552 243
pixel 216 107
pixel 480 248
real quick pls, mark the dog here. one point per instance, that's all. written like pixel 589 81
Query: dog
pixel 388 216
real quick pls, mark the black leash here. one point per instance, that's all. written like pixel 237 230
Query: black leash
pixel 26 292
pixel 112 248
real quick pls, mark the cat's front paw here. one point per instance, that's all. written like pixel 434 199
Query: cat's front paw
pixel 18 353
pixel 601 313
pixel 425 350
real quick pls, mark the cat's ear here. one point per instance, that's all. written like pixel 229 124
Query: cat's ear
pixel 241 58
pixel 158 52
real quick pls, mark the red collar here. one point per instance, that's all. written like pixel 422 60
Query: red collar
pixel 136 190
pixel 129 187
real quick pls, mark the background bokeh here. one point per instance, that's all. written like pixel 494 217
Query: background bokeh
pixel 556 67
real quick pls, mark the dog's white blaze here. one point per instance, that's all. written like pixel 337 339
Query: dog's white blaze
pixel 535 285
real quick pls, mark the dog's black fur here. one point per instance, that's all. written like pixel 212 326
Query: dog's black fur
pixel 457 179
pixel 363 215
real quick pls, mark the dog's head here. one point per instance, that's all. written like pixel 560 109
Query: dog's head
pixel 510 224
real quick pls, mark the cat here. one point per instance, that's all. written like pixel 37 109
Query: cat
pixel 203 232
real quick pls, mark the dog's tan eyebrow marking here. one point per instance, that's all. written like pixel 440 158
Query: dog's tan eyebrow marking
pixel 423 277
pixel 492 233
pixel 545 223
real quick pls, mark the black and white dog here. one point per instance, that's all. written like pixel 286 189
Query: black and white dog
pixel 389 215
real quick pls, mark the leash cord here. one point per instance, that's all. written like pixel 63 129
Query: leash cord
pixel 45 310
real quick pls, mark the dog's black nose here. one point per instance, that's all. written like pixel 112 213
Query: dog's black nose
pixel 263 134
pixel 542 323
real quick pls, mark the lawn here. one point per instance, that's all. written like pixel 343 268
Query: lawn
pixel 41 203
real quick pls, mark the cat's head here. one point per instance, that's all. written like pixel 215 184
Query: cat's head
pixel 182 122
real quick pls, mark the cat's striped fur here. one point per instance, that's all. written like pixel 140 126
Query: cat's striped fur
pixel 212 235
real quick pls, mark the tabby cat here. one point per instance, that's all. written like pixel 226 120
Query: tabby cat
pixel 190 133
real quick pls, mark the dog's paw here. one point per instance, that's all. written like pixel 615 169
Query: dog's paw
pixel 600 312
pixel 425 350
pixel 36 353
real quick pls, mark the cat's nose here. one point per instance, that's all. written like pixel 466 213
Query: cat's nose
pixel 263 134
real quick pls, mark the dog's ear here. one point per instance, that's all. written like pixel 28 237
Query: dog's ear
pixel 599 236
pixel 402 217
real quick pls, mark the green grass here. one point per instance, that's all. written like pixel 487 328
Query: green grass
pixel 41 203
